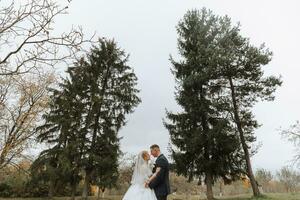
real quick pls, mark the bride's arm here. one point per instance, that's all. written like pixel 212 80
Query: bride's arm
pixel 154 175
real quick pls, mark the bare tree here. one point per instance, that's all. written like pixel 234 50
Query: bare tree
pixel 264 177
pixel 293 135
pixel 23 100
pixel 29 49
pixel 27 38
pixel 289 178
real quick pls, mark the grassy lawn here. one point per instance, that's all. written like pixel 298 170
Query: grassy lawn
pixel 179 197
pixel 279 196
pixel 267 197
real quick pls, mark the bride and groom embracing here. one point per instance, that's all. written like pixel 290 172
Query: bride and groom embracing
pixel 149 181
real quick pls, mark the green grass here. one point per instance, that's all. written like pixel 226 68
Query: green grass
pixel 182 197
pixel 277 196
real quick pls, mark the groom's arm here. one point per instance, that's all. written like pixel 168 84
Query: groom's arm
pixel 154 174
pixel 160 175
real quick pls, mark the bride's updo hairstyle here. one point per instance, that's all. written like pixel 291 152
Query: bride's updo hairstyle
pixel 145 155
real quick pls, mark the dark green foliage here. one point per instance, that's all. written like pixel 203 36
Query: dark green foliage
pixel 35 189
pixel 108 89
pixel 205 144
pixel 240 62
pixel 219 80
pixel 243 81
pixel 61 163
pixel 85 116
pixel 5 190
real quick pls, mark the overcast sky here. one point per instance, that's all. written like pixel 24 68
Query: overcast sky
pixel 146 30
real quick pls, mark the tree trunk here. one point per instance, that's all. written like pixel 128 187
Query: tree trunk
pixel 51 189
pixel 237 119
pixel 209 187
pixel 221 188
pixel 86 185
pixel 73 191
pixel 103 192
pixel 99 191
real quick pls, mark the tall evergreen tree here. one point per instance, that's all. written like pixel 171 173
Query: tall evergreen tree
pixel 242 79
pixel 86 115
pixel 108 89
pixel 204 143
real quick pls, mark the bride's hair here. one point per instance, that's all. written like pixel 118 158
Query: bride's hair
pixel 144 154
pixel 141 170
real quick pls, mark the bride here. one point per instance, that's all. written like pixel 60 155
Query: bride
pixel 142 173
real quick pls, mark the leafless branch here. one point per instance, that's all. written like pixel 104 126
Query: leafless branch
pixel 27 99
pixel 27 39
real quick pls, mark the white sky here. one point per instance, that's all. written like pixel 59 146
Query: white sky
pixel 146 30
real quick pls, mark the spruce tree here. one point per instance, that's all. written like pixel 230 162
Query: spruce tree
pixel 86 114
pixel 242 79
pixel 108 90
pixel 204 144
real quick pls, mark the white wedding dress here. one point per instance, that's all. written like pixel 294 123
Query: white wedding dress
pixel 137 190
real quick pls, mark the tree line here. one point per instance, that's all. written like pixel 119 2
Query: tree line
pixel 18 183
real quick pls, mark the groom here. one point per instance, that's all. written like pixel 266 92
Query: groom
pixel 160 184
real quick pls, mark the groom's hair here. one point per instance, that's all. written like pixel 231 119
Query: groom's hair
pixel 154 146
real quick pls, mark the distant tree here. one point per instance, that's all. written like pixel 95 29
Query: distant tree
pixel 23 100
pixel 263 177
pixel 292 134
pixel 181 185
pixel 204 142
pixel 126 167
pixel 289 178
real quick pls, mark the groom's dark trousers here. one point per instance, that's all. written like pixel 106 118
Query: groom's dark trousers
pixel 161 197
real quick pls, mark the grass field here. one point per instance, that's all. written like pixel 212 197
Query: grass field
pixel 179 197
